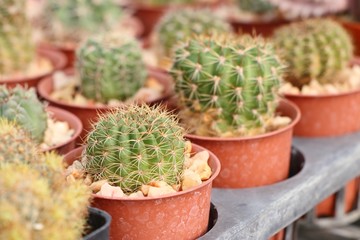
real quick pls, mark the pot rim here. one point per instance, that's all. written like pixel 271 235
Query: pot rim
pixel 294 121
pixel 59 57
pixel 215 173
pixel 69 115
pixel 71 71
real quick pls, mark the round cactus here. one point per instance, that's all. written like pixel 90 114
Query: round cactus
pixel 232 83
pixel 255 6
pixel 177 26
pixel 22 106
pixel 135 145
pixel 315 48
pixel 16 46
pixel 110 67
pixel 16 146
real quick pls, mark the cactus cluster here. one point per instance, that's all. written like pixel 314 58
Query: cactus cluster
pixel 177 26
pixel 16 46
pixel 314 48
pixel 229 85
pixel 73 20
pixel 135 145
pixel 110 67
pixel 23 106
pixel 255 6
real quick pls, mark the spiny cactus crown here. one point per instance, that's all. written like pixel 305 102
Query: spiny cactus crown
pixel 16 46
pixel 177 26
pixel 110 67
pixel 22 106
pixel 315 48
pixel 135 145
pixel 232 83
pixel 255 6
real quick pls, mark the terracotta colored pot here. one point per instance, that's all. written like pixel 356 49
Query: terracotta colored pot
pixel 57 59
pixel 183 215
pixel 265 29
pixel 278 236
pixel 253 161
pixel 327 207
pixel 74 123
pixel 353 29
pixel 89 114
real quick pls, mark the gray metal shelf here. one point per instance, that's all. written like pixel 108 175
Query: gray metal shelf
pixel 258 213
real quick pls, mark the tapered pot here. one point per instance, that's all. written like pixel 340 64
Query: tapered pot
pixel 253 161
pixel 58 62
pixel 89 114
pixel 182 215
pixel 98 224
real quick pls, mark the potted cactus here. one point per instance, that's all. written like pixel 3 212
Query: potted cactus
pixel 21 63
pixel 150 184
pixel 52 128
pixel 63 25
pixel 322 82
pixel 110 72
pixel 227 90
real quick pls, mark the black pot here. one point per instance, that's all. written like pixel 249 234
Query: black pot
pixel 99 222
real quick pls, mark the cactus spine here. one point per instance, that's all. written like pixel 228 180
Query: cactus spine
pixel 231 83
pixel 315 48
pixel 135 145
pixel 255 6
pixel 23 106
pixel 177 26
pixel 110 67
pixel 16 47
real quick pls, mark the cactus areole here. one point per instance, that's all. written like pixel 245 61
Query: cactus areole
pixel 134 145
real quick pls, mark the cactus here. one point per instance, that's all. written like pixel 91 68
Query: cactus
pixel 16 46
pixel 110 67
pixel 135 145
pixel 73 20
pixel 16 145
pixel 231 84
pixel 23 106
pixel 177 26
pixel 315 48
pixel 255 6
pixel 165 2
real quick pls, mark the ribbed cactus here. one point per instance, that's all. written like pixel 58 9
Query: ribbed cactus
pixel 23 106
pixel 135 145
pixel 232 83
pixel 110 67
pixel 73 20
pixel 16 47
pixel 16 145
pixel 177 26
pixel 255 6
pixel 315 48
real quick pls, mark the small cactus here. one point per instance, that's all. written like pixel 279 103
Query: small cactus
pixel 177 26
pixel 232 83
pixel 255 6
pixel 135 145
pixel 23 106
pixel 17 49
pixel 110 67
pixel 315 48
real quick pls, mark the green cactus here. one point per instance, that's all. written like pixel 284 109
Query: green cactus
pixel 165 2
pixel 16 46
pixel 315 48
pixel 255 6
pixel 110 67
pixel 75 19
pixel 23 106
pixel 232 83
pixel 16 144
pixel 177 26
pixel 135 145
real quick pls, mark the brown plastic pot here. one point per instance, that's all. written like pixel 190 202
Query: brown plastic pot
pixel 253 161
pixel 327 115
pixel 74 123
pixel 89 114
pixel 57 59
pixel 265 29
pixel 183 215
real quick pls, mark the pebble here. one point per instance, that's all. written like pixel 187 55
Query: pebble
pixel 190 179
